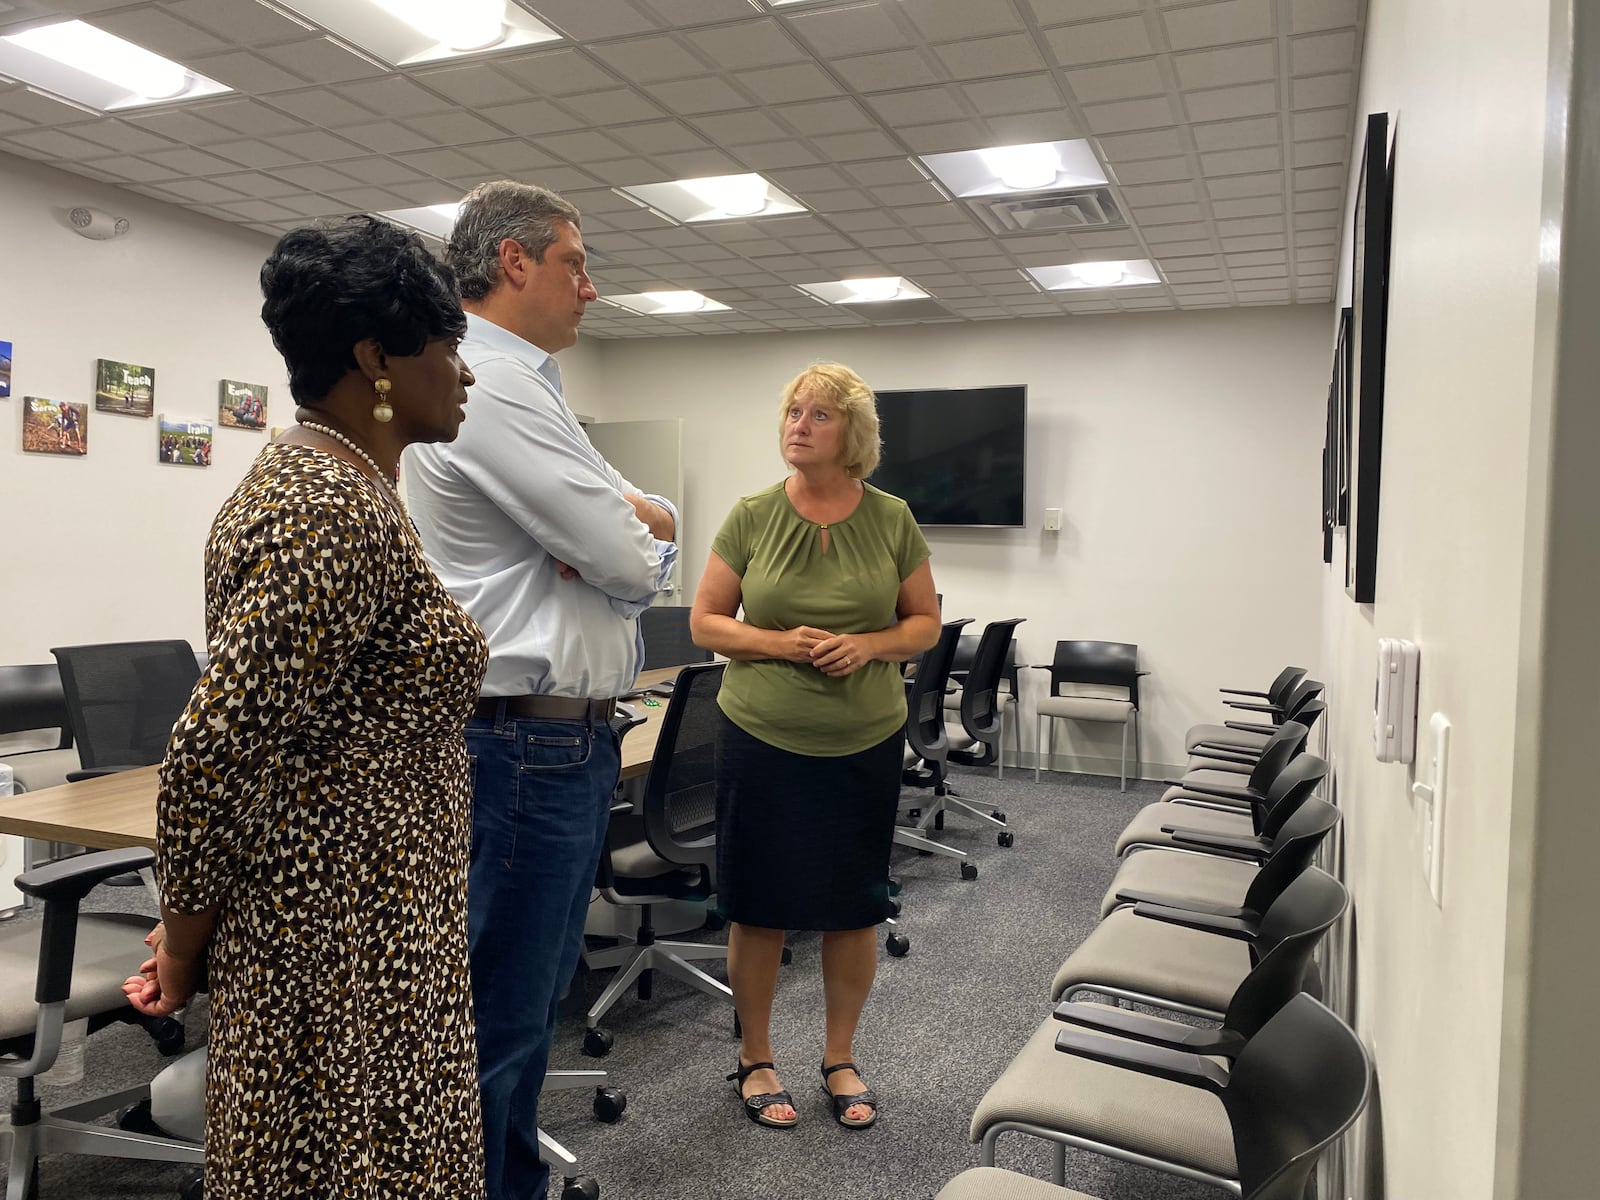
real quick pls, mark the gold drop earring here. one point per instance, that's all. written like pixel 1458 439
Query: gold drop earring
pixel 382 411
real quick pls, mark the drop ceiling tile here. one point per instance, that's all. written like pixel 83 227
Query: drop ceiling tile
pixel 1306 16
pixel 1188 248
pixel 37 109
pixel 1130 147
pixel 1263 258
pixel 442 164
pixel 899 195
pixel 252 153
pixel 1312 254
pixel 180 126
pixel 52 143
pixel 557 72
pixel 1331 200
pixel 190 162
pixel 1304 237
pixel 1319 219
pixel 922 106
pixel 1018 94
pixel 1159 193
pixel 766 156
pixel 848 147
pixel 860 222
pixel 1328 151
pixel 1218 24
pixel 1004 56
pixel 1323 91
pixel 321 107
pixel 1320 53
pixel 1255 206
pixel 254 183
pixel 826 116
pixel 649 59
pixel 1256 63
pixel 457 128
pixel 692 164
pixel 763 43
pixel 1034 127
pixel 246 72
pixel 1242 162
pixel 240 22
pixel 1221 104
pixel 1311 178
pixel 260 210
pixel 198 191
pixel 657 137
pixel 584 20
pixel 1162 235
pixel 1155 170
pixel 1167 214
pixel 394 96
pixel 161 32
pixel 1322 123
pixel 323 60
pixel 315 146
pixel 475 86
pixel 1240 186
pixel 1060 12
pixel 1266 241
pixel 1124 115
pixel 740 128
pixel 386 137
pixel 532 119
pixel 1238 135
pixel 314 178
pixel 1100 41
pixel 1119 81
pixel 784 85
pixel 887 72
pixel 693 96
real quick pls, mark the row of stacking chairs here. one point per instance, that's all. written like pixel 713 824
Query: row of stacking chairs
pixel 1214 915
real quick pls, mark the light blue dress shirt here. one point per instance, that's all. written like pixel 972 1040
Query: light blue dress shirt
pixel 519 490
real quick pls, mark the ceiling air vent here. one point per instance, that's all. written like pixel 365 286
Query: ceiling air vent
pixel 1089 208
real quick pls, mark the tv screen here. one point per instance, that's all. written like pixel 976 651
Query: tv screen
pixel 955 455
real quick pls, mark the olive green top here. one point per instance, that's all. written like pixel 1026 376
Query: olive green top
pixel 787 580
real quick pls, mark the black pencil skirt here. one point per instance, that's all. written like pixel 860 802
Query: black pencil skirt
pixel 802 842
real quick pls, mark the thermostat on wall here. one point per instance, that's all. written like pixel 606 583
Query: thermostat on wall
pixel 1394 716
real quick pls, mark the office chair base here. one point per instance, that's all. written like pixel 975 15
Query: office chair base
pixel 909 837
pixel 956 806
pixel 670 958
pixel 62 1132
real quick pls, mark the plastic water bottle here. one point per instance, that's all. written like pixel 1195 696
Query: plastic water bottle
pixel 11 863
pixel 68 1067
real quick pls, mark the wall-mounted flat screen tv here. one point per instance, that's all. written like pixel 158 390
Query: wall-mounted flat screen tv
pixel 955 455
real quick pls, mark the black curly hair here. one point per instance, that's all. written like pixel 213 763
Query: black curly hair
pixel 327 287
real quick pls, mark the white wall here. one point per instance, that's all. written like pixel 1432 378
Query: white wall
pixel 109 546
pixel 1465 82
pixel 1183 449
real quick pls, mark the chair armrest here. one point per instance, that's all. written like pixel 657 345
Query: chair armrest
pixel 1162 1063
pixel 1242 692
pixel 1240 704
pixel 1243 795
pixel 62 885
pixel 1249 727
pixel 1151 1031
pixel 1223 754
pixel 1250 847
pixel 1135 897
pixel 1242 928
pixel 99 772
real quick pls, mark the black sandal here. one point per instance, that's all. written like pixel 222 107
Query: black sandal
pixel 843 1104
pixel 754 1105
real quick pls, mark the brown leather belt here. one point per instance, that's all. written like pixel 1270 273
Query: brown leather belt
pixel 544 708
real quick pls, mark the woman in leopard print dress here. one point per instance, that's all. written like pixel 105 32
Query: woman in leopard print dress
pixel 314 812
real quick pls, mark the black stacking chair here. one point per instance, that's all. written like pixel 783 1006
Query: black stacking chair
pixel 982 701
pixel 32 702
pixel 928 744
pixel 1104 666
pixel 1158 825
pixel 1213 780
pixel 123 699
pixel 1298 1084
pixel 1276 690
pixel 665 630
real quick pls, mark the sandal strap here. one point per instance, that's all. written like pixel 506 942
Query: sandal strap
pixel 842 1066
pixel 768 1099
pixel 742 1072
pixel 868 1097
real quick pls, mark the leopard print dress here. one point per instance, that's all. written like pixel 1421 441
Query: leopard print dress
pixel 316 795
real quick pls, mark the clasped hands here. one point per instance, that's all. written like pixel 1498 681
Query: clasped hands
pixel 835 655
pixel 164 983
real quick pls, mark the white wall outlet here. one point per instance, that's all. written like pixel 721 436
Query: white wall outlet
pixel 1430 796
pixel 1052 520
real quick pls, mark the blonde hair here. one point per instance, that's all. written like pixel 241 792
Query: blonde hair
pixel 838 385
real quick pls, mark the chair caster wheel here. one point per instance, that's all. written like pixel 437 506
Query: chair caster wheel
pixel 195 1189
pixel 969 870
pixel 894 908
pixel 898 945
pixel 788 956
pixel 938 820
pixel 137 1119
pixel 998 815
pixel 582 1188
pixel 1005 837
pixel 609 1103
pixel 914 813
pixel 597 1043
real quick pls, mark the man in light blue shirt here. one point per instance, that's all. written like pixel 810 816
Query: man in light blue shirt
pixel 554 554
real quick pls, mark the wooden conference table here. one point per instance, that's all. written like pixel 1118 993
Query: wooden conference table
pixel 120 810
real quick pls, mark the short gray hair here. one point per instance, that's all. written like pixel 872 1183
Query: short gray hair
pixel 491 213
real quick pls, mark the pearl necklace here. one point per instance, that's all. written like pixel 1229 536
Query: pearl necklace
pixel 350 445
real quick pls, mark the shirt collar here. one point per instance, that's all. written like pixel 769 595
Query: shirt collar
pixel 497 337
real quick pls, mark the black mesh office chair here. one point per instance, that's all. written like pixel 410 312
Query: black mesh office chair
pixel 676 857
pixel 928 745
pixel 1299 1083
pixel 1009 697
pixel 1106 667
pixel 983 704
pixel 666 638
pixel 124 698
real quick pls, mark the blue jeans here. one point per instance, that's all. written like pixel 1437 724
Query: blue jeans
pixel 541 801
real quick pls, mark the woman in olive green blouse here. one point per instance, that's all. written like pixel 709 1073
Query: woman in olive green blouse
pixel 833 578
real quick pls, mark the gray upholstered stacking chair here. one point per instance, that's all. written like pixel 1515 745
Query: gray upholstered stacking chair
pixel 1246 734
pixel 67 966
pixel 123 699
pixel 665 631
pixel 1298 1084
pixel 33 714
pixel 1110 673
pixel 1228 886
pixel 1239 756
pixel 1218 783
pixel 1157 825
pixel 1196 963
pixel 675 858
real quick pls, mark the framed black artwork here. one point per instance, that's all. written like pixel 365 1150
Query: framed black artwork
pixel 1369 275
pixel 1336 442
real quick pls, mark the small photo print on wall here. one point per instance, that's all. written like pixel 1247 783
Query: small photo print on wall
pixel 126 388
pixel 54 426
pixel 242 405
pixel 5 369
pixel 187 443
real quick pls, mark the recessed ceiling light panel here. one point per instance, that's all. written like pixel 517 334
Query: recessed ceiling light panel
pixel 713 198
pixel 877 290
pixel 404 32
pixel 1033 167
pixel 89 66
pixel 661 304
pixel 1122 272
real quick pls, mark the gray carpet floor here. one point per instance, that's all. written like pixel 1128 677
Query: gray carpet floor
pixel 941 1025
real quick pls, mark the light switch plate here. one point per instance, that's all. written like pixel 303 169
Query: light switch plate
pixel 1430 796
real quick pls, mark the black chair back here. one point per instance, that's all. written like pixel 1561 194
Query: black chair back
pixel 925 702
pixel 1282 685
pixel 667 643
pixel 1111 663
pixel 1303 692
pixel 1281 749
pixel 1307 713
pixel 1292 851
pixel 31 698
pixel 1288 792
pixel 680 793
pixel 123 698
pixel 1298 1084
pixel 1296 921
pixel 980 698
